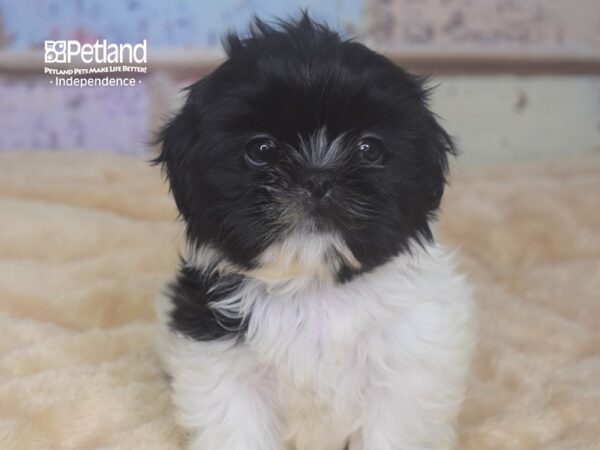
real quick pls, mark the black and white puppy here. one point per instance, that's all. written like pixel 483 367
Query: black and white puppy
pixel 312 310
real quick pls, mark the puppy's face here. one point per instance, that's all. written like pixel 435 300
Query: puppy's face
pixel 304 153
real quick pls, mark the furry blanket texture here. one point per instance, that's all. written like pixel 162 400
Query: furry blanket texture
pixel 87 239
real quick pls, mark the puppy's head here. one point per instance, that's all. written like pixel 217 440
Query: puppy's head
pixel 305 154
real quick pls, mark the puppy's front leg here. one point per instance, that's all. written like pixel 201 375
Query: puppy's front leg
pixel 223 398
pixel 418 416
pixel 395 436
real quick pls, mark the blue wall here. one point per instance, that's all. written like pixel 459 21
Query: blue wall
pixel 164 23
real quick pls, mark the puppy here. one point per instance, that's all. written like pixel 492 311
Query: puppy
pixel 312 309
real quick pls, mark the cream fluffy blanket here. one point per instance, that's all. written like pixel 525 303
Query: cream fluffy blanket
pixel 87 239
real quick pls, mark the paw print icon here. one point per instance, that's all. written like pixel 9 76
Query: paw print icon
pixel 55 52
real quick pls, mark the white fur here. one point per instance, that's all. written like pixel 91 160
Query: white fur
pixel 319 151
pixel 378 363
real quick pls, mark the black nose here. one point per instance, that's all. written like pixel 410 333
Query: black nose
pixel 318 184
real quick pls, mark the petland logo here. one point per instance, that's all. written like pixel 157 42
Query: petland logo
pixel 99 53
pixel 92 60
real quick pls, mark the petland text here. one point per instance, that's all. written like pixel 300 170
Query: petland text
pixel 101 52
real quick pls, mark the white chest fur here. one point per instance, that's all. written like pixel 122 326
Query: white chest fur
pixel 379 361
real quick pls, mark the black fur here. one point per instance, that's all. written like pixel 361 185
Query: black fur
pixel 287 81
pixel 191 293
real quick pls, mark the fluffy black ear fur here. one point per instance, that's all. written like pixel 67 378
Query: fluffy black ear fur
pixel 176 139
pixel 439 145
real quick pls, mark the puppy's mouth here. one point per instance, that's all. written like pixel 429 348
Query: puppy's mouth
pixel 306 213
pixel 318 212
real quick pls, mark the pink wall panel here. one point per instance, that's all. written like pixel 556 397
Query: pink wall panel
pixel 530 26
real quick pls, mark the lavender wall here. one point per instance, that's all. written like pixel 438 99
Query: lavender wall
pixel 34 114
pixel 37 115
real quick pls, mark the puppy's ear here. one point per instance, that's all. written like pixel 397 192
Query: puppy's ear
pixel 437 146
pixel 177 141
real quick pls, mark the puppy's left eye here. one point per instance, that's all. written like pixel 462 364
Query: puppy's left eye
pixel 371 149
pixel 261 151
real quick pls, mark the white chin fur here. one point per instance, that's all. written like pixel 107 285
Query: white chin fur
pixel 377 363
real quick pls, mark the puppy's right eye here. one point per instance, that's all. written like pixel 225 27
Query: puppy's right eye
pixel 261 152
